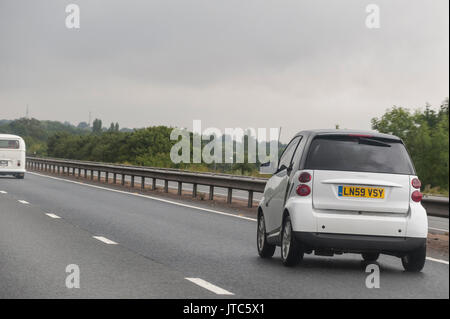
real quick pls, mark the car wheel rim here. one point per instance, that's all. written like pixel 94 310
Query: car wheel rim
pixel 286 239
pixel 261 233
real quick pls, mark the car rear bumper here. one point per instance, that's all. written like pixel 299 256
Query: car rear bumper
pixel 12 171
pixel 348 243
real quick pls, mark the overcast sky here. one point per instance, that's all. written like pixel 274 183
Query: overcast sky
pixel 230 63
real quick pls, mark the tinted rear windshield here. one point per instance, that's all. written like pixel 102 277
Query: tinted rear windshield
pixel 9 144
pixel 359 154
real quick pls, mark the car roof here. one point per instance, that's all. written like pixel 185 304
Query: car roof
pixel 345 132
pixel 9 136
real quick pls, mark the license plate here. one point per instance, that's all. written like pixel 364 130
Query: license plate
pixel 357 191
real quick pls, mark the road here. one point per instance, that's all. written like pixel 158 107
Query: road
pixel 151 246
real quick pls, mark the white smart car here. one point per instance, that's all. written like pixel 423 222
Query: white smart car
pixel 342 191
pixel 12 155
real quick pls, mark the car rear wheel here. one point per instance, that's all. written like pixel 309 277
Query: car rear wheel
pixel 370 257
pixel 265 249
pixel 415 260
pixel 291 249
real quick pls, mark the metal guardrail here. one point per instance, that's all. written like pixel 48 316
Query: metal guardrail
pixel 436 206
pixel 87 169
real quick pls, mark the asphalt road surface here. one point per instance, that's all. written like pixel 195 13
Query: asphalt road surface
pixel 148 248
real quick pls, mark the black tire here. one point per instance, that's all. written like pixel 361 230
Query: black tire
pixel 415 260
pixel 370 257
pixel 291 250
pixel 265 250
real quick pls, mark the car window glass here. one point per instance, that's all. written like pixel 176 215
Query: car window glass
pixel 9 144
pixel 345 153
pixel 288 153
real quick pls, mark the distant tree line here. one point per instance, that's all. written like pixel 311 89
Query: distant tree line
pixel 425 133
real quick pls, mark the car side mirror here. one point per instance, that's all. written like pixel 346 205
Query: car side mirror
pixel 268 168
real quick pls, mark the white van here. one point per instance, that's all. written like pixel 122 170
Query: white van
pixel 12 155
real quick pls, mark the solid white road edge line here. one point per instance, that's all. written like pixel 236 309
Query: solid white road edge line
pixel 439 229
pixel 438 260
pixel 23 201
pixel 147 196
pixel 52 215
pixel 105 240
pixel 209 286
pixel 172 202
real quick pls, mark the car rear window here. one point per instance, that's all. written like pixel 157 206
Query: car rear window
pixel 9 144
pixel 359 154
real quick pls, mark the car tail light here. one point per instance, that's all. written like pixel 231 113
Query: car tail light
pixel 416 196
pixel 416 183
pixel 18 163
pixel 304 177
pixel 303 190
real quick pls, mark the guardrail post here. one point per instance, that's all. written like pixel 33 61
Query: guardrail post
pixel 142 182
pixel 59 169
pixel 106 177
pixel 230 195
pixel 122 181
pixel 166 186
pixel 180 188
pixel 99 177
pixel 79 172
pixel 153 184
pixel 194 190
pixel 250 199
pixel 211 192
pixel 114 178
pixel 132 181
pixel 92 174
pixel 85 173
pixel 73 171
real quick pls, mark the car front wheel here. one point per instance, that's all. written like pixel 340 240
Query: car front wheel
pixel 291 249
pixel 265 249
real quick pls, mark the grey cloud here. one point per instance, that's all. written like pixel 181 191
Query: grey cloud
pixel 229 63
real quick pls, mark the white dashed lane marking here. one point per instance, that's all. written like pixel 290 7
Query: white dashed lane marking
pixel 209 286
pixel 105 240
pixel 52 215
pixel 23 201
pixel 3 192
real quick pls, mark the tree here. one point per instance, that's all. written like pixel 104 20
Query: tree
pixel 425 134
pixel 83 125
pixel 97 126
